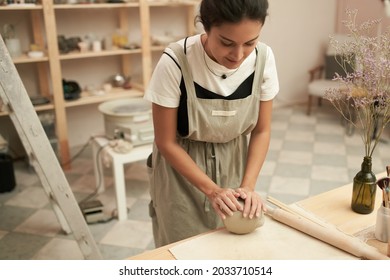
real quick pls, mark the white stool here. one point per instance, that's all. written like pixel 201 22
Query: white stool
pixel 118 161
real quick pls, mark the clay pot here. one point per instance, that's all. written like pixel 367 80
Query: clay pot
pixel 239 225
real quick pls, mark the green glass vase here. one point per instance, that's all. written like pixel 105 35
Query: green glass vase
pixel 364 189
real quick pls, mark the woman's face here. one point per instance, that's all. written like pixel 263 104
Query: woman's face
pixel 230 43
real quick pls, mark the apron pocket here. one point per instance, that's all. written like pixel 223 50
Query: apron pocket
pixel 149 167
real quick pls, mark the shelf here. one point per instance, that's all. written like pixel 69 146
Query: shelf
pixel 26 59
pixel 87 99
pixel 38 108
pixel 78 55
pixel 158 48
pixel 96 6
pixel 115 93
pixel 152 3
pixel 23 7
pixel 44 107
pixel 3 113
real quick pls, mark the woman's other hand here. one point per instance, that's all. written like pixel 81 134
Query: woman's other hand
pixel 253 202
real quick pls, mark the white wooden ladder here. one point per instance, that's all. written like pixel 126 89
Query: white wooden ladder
pixel 43 158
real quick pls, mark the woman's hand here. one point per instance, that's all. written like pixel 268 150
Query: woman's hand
pixel 253 203
pixel 224 202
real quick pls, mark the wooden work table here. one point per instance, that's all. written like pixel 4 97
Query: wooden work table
pixel 332 207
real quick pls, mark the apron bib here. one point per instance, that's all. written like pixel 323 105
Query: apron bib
pixel 217 142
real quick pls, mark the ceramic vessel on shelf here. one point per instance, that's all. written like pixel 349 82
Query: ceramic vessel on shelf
pixel 14 47
pixel 364 189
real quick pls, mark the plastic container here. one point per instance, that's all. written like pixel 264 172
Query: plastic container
pixel 382 227
pixel 14 47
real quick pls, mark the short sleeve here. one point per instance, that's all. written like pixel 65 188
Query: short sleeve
pixel 270 85
pixel 164 85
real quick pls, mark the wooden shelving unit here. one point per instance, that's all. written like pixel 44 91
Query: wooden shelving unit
pixel 49 68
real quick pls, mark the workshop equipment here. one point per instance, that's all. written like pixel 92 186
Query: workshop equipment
pixel 129 119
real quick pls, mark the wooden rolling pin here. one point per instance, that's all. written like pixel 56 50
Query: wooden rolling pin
pixel 329 235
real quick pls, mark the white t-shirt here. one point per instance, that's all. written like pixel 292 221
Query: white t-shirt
pixel 164 86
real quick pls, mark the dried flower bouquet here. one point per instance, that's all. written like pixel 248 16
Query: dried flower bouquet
pixel 365 99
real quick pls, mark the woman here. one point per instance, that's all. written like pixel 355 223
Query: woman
pixel 209 92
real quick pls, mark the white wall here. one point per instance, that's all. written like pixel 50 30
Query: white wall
pixel 374 11
pixel 298 32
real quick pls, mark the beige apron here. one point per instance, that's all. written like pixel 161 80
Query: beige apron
pixel 217 142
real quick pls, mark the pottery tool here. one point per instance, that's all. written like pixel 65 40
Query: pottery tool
pixel 384 185
pixel 330 235
pixel 387 196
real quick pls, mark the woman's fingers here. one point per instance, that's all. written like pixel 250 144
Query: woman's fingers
pixel 226 202
pixel 253 205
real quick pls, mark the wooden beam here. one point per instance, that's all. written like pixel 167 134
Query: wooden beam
pixel 56 77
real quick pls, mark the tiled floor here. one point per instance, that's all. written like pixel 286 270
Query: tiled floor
pixel 308 155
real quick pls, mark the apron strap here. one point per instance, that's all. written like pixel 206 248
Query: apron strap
pixel 185 69
pixel 189 81
pixel 259 70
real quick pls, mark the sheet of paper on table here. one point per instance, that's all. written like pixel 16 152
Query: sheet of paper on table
pixel 272 241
